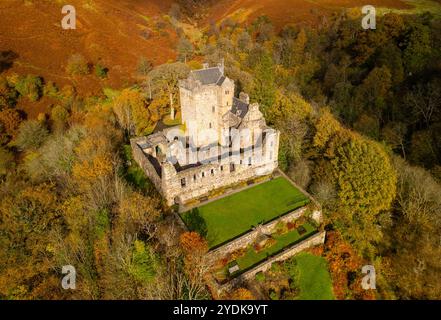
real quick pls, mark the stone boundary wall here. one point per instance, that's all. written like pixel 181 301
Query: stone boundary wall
pixel 317 239
pixel 215 254
pixel 142 160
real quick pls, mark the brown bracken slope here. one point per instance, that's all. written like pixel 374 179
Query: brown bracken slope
pixel 119 32
pixel 116 32
pixel 282 12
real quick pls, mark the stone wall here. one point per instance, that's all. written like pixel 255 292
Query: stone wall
pixel 142 160
pixel 317 239
pixel 216 254
pixel 203 179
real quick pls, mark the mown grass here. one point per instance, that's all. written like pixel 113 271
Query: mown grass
pixel 314 280
pixel 238 213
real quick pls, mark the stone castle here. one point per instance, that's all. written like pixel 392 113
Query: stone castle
pixel 223 140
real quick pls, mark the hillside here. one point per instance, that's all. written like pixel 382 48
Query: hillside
pixel 116 32
pixel 282 12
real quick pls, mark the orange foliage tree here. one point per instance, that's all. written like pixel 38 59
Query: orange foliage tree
pixel 242 294
pixel 345 268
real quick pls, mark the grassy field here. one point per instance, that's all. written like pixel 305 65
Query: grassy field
pixel 233 215
pixel 418 7
pixel 314 279
pixel 252 257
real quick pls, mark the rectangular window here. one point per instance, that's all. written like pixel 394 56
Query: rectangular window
pixel 213 109
pixel 232 168
pixel 222 168
pixel 212 172
pixel 194 177
pixel 203 174
pixel 249 161
pixel 209 125
pixel 183 182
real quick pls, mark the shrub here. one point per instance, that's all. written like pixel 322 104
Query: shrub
pixel 29 86
pixel 77 65
pixel 281 227
pixel 195 222
pixel 144 262
pixel 50 90
pixel 275 267
pixel 273 295
pixel 31 135
pixel 101 71
pixel 260 276
pixel 59 115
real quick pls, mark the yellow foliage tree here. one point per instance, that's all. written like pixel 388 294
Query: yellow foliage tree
pixel 131 111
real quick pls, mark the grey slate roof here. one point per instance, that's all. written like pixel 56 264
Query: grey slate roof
pixel 208 76
pixel 221 80
pixel 239 108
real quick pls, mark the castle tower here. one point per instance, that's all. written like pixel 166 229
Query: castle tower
pixel 206 95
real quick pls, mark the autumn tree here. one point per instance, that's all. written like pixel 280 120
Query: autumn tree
pixel 10 120
pixel 30 86
pixel 366 186
pixel 195 247
pixel 242 294
pixel 372 93
pixel 264 90
pixel 6 161
pixel 27 268
pixel 144 67
pixel 164 79
pixel 77 65
pixel 413 240
pixel 59 115
pixel 185 49
pixel 418 47
pixel 31 135
pixel 131 111
pixel 138 213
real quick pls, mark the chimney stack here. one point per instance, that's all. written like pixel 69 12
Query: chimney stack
pixel 221 66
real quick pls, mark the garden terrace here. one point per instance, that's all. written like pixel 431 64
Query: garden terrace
pixel 255 254
pixel 234 215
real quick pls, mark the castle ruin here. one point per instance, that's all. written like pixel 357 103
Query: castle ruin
pixel 222 140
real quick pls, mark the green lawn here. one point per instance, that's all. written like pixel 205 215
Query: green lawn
pixel 233 215
pixel 252 257
pixel 314 279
